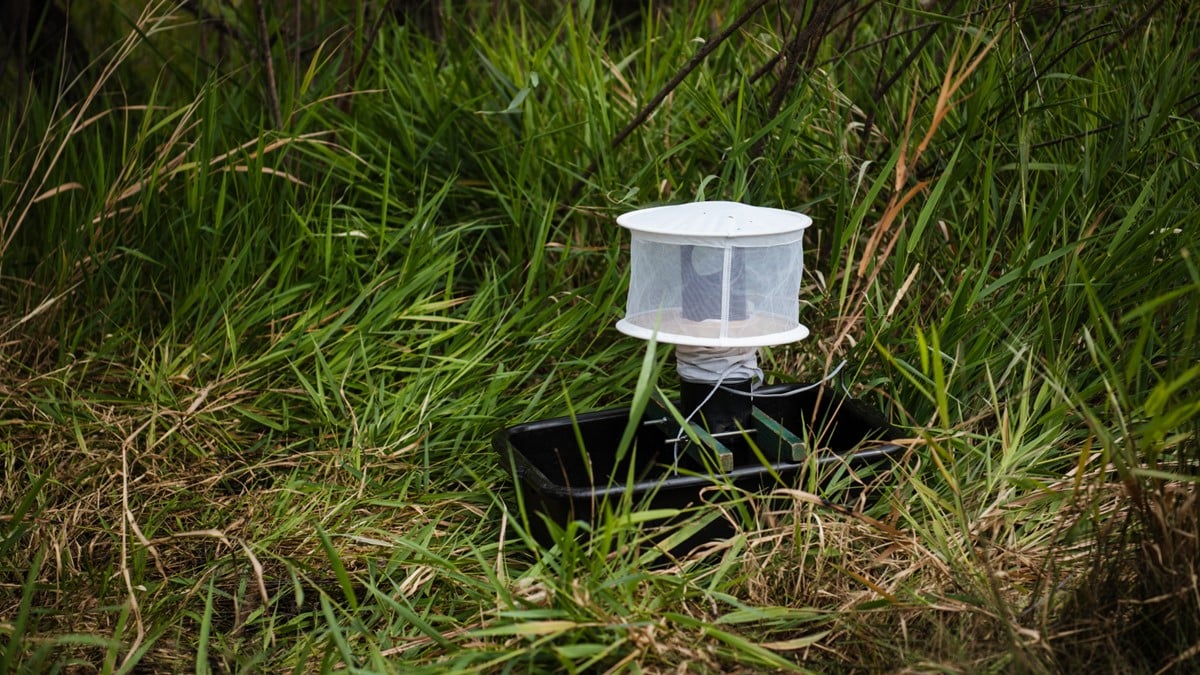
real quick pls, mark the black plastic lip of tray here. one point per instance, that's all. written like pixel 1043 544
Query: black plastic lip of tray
pixel 560 479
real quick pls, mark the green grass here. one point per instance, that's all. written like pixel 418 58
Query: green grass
pixel 249 373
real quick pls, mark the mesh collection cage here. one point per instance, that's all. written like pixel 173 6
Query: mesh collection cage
pixel 719 274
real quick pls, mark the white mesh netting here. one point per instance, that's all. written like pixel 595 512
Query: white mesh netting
pixel 716 294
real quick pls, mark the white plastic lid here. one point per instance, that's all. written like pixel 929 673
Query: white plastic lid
pixel 703 222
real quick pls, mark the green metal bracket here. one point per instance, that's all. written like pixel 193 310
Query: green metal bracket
pixel 716 450
pixel 711 451
pixel 775 441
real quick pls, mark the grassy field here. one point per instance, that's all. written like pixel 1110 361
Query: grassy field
pixel 258 325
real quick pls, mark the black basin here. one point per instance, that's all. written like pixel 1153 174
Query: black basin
pixel 562 481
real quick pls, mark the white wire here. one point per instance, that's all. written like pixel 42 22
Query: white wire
pixel 717 386
pixel 688 420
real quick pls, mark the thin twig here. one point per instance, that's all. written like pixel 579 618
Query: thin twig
pixel 1037 78
pixel 1086 66
pixel 853 18
pixel 679 77
pixel 264 39
pixel 298 27
pixel 805 41
pixel 644 114
pixel 1113 125
pixel 802 42
pixel 222 26
pixel 126 521
pixel 882 89
pixel 770 64
pixel 356 69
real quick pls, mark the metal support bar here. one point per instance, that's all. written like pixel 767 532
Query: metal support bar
pixel 775 441
pixel 716 450
pixel 724 434
pixel 711 450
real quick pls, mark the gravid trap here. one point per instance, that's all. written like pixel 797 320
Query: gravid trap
pixel 718 280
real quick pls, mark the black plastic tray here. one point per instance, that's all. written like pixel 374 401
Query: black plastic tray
pixel 563 481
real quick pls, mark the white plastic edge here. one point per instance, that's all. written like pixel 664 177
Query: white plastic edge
pixel 756 241
pixel 768 340
pixel 719 220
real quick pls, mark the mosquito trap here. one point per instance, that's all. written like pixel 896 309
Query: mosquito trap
pixel 718 280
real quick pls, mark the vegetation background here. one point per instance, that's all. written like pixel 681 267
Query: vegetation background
pixel 273 271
